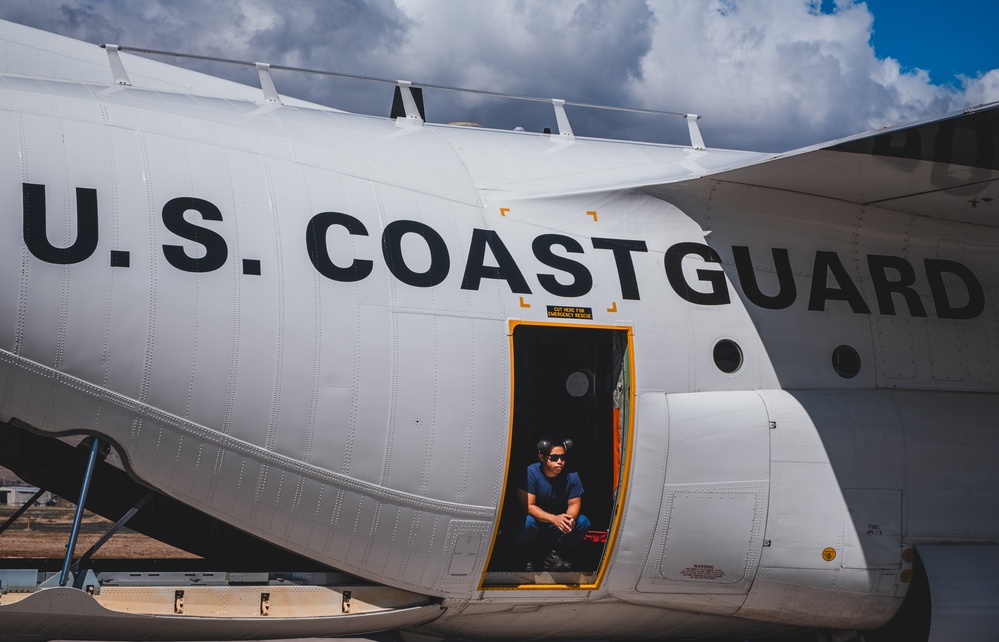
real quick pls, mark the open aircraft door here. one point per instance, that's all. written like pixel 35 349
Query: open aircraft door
pixel 712 519
pixel 569 382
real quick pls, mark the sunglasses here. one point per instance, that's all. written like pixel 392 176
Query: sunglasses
pixel 556 457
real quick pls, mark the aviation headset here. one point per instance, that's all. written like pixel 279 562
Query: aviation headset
pixel 545 446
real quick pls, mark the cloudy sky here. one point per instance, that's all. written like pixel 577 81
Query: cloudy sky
pixel 765 74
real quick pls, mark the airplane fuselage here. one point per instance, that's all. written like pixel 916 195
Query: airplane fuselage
pixel 321 328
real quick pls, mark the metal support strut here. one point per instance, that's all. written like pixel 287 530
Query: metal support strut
pixel 71 546
pixel 75 568
pixel 20 511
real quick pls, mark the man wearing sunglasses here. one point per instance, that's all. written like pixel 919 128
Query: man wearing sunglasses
pixel 552 498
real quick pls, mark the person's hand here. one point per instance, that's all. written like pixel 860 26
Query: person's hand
pixel 563 522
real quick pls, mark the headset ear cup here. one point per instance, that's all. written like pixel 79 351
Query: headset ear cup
pixel 567 444
pixel 544 447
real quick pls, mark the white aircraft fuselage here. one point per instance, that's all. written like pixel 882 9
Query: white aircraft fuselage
pixel 325 329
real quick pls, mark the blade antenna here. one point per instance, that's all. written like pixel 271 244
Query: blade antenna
pixel 117 68
pixel 695 134
pixel 408 102
pixel 266 83
pixel 564 129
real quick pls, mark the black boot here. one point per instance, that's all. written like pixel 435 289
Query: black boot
pixel 555 563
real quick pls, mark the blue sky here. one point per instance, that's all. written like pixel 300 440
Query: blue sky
pixel 767 75
pixel 945 38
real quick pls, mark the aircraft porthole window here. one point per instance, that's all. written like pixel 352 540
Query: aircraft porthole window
pixel 728 356
pixel 577 384
pixel 846 361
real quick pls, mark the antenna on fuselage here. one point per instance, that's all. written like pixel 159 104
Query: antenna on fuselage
pixel 407 102
pixel 266 83
pixel 117 68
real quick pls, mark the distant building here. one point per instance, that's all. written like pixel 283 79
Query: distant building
pixel 18 495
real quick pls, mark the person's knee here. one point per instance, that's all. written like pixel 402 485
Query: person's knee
pixel 582 523
pixel 528 532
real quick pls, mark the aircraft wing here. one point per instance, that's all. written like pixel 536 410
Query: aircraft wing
pixel 946 168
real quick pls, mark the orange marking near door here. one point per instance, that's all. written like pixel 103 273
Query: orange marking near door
pixel 524 305
pixel 504 210
pixel 613 307
pixel 593 214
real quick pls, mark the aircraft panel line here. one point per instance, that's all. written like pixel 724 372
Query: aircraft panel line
pixel 270 458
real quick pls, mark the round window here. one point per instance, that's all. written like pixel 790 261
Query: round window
pixel 846 362
pixel 577 384
pixel 728 356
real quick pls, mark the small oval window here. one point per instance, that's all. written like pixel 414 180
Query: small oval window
pixel 846 361
pixel 577 384
pixel 728 356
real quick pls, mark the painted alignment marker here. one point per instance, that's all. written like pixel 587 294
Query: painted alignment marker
pixel 613 307
pixel 524 305
pixel 593 214
pixel 504 210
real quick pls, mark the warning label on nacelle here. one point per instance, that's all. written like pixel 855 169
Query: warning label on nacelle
pixel 563 312
pixel 703 572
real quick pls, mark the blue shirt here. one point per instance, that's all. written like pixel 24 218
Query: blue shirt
pixel 551 495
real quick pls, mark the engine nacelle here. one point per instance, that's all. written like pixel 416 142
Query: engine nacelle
pixel 762 519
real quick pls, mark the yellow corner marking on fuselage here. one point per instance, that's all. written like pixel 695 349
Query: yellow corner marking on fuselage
pixel 523 304
pixel 593 214
pixel 504 210
pixel 613 307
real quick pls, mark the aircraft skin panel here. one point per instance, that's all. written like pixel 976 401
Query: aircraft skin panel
pixel 958 605
pixel 260 402
pixel 835 271
pixel 156 443
pixel 638 523
pixel 709 534
pixel 532 165
pixel 831 463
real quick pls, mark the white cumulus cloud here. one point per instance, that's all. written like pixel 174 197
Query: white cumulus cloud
pixel 764 74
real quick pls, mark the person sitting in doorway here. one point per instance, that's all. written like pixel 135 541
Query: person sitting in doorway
pixel 552 498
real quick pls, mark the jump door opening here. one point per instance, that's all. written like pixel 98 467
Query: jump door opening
pixel 571 384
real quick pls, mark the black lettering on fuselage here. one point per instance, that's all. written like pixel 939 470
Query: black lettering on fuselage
pixel 505 270
pixel 622 249
pixel 884 288
pixel 674 272
pixel 315 243
pixel 216 251
pixel 955 290
pixel 440 260
pixel 935 269
pixel 786 292
pixel 34 228
pixel 826 262
pixel 582 281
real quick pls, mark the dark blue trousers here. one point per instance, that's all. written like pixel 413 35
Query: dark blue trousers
pixel 534 531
